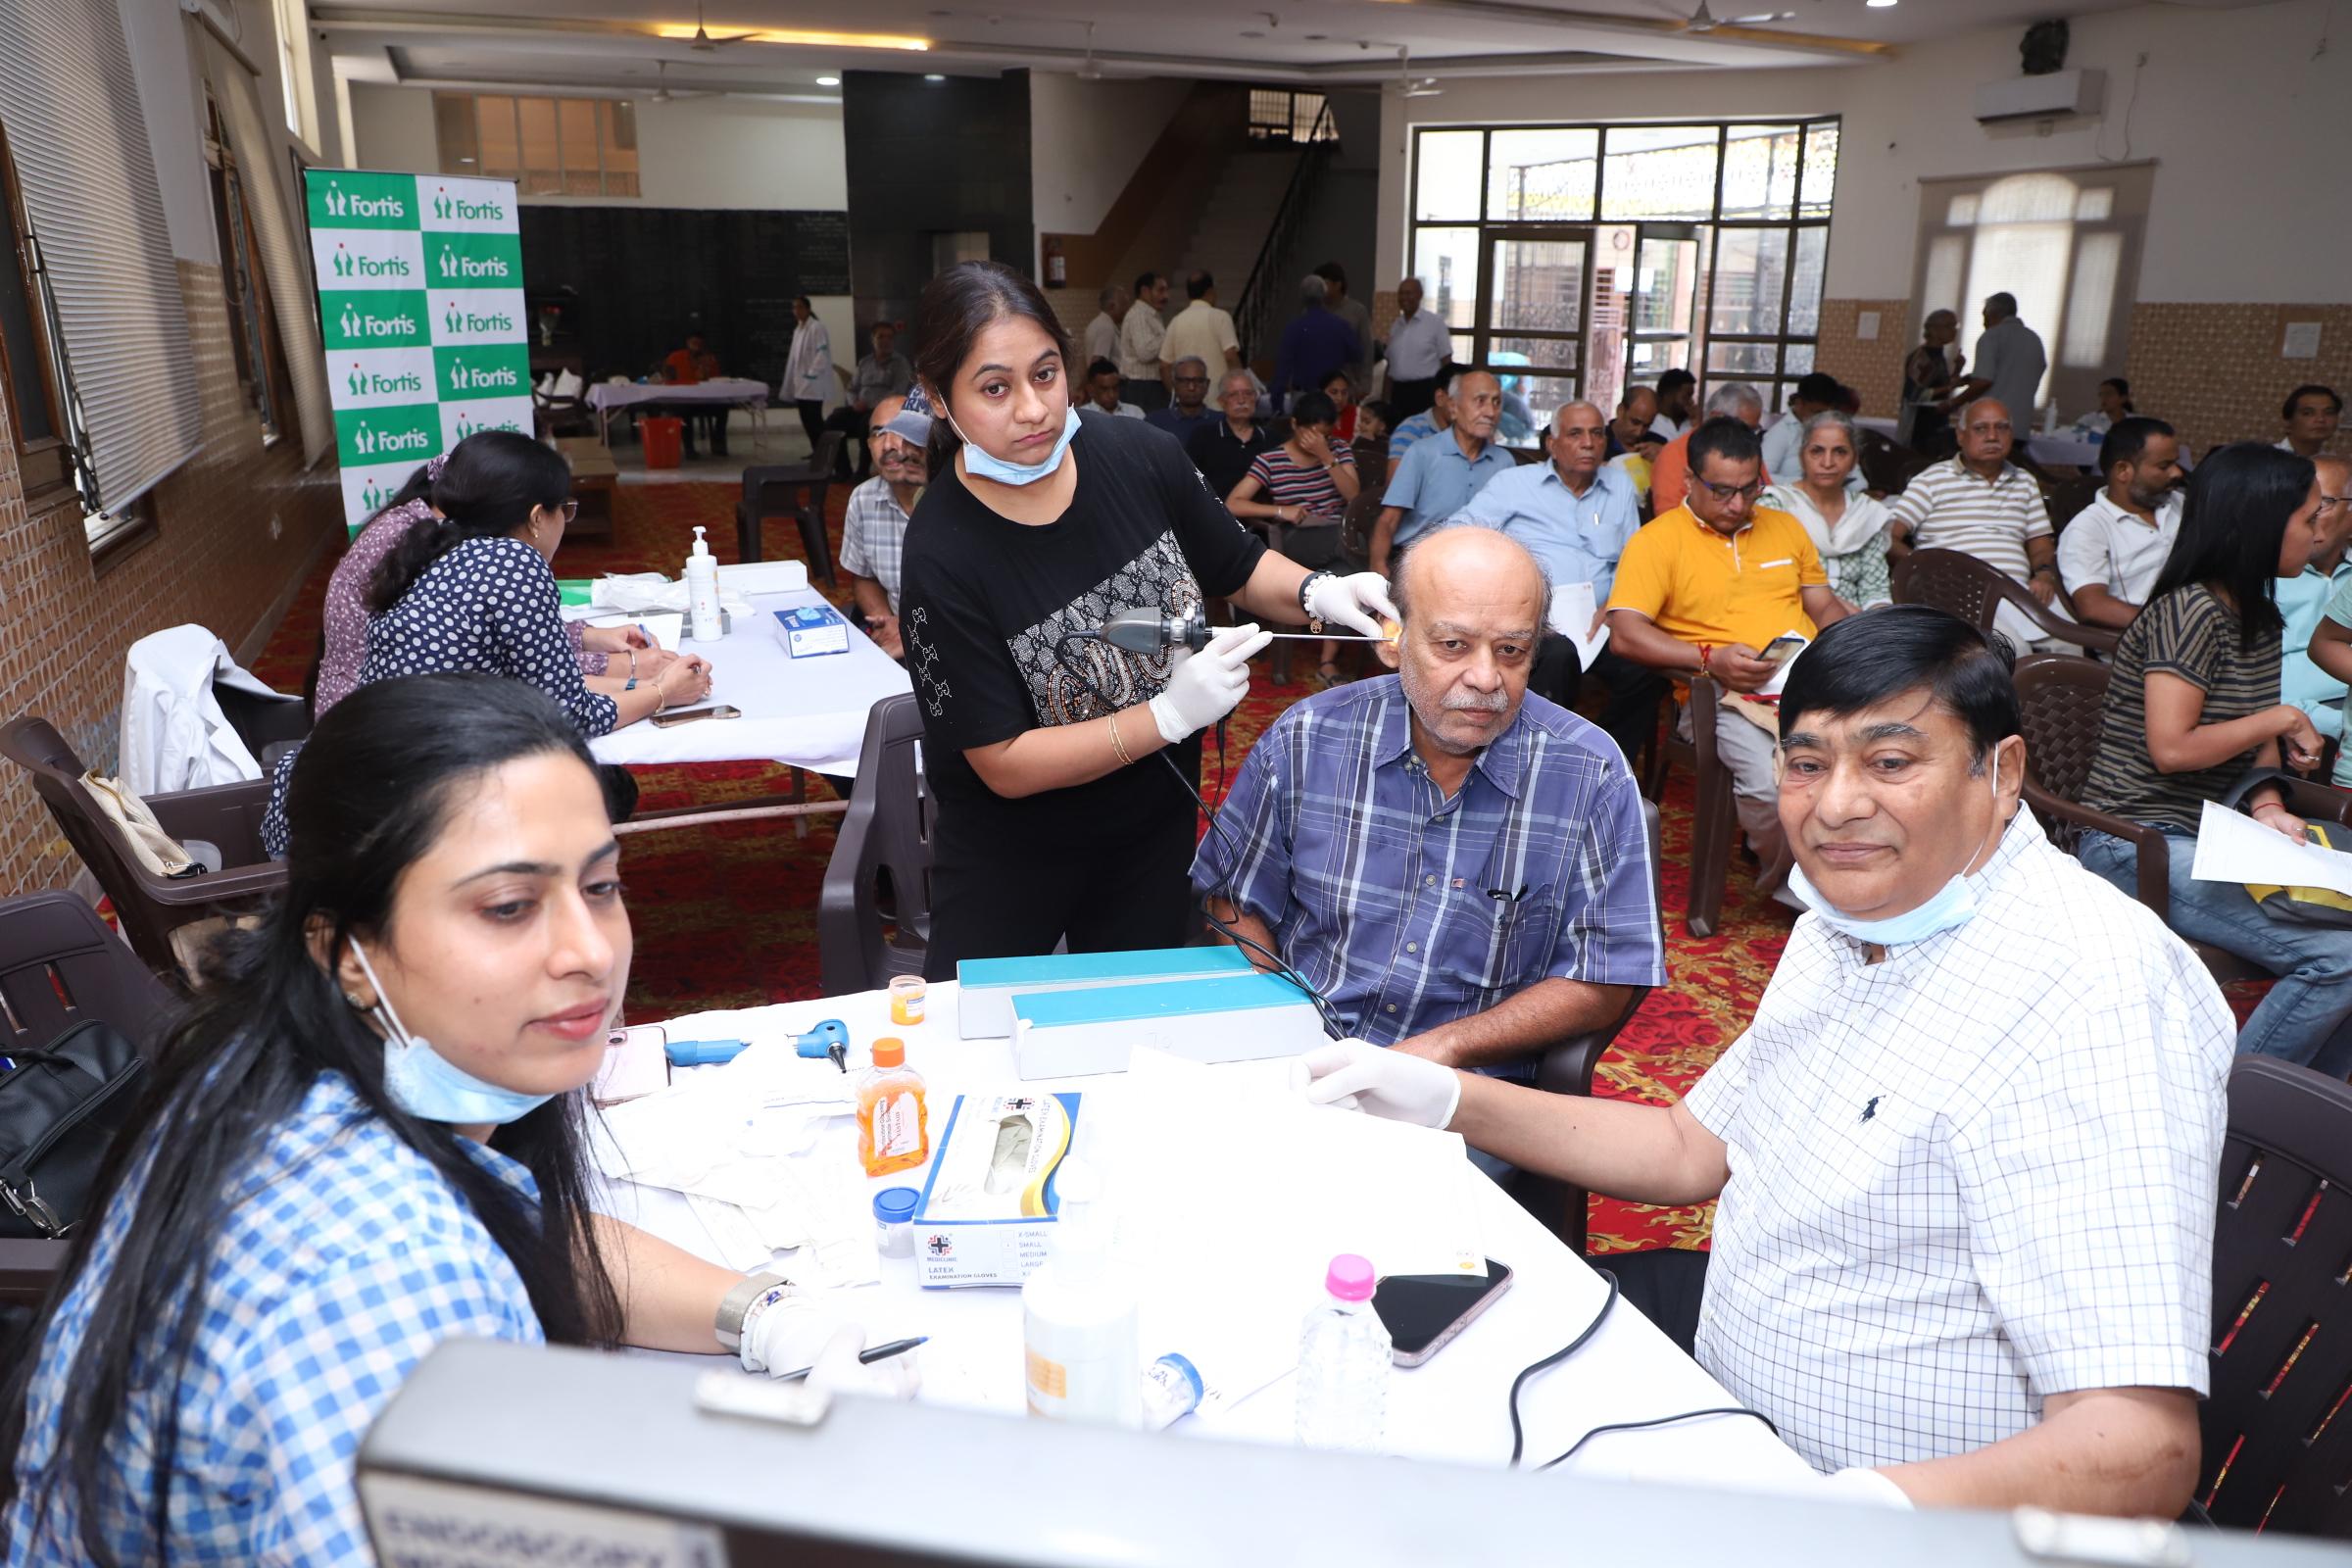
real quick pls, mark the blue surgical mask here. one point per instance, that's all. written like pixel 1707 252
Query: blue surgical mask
pixel 987 467
pixel 428 1085
pixel 1952 906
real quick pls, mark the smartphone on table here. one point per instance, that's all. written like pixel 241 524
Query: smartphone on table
pixel 1424 1312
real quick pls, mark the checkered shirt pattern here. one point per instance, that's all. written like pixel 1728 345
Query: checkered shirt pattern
pixel 343 1259
pixel 1379 890
pixel 874 537
pixel 1972 1175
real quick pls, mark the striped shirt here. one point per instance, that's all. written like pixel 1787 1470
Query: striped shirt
pixel 1948 506
pixel 1406 909
pixel 1288 482
pixel 1410 430
pixel 2191 634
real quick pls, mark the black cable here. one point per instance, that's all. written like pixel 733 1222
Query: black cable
pixel 1518 1433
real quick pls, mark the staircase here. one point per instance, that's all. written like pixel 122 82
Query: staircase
pixel 1232 225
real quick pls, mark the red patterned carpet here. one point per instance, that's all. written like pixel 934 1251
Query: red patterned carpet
pixel 726 917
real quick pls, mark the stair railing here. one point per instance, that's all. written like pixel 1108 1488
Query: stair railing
pixel 1267 296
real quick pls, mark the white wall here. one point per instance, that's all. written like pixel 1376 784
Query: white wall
pixel 703 153
pixel 2246 129
pixel 159 39
pixel 1086 139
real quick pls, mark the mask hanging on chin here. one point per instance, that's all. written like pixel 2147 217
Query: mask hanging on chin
pixel 985 466
pixel 1949 907
pixel 428 1085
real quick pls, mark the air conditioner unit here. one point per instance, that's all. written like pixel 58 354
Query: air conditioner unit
pixel 2061 92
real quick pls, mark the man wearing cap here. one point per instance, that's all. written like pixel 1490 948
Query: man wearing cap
pixel 873 535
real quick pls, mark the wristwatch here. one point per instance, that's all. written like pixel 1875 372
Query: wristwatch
pixel 751 1295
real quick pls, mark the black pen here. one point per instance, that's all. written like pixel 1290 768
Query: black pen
pixel 880 1353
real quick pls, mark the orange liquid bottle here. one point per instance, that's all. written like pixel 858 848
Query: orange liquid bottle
pixel 894 1132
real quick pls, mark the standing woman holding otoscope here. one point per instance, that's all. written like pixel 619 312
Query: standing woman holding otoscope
pixel 1039 526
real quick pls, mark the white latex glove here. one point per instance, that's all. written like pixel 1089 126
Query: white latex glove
pixel 793 1333
pixel 1208 685
pixel 1359 601
pixel 1870 1486
pixel 1356 1075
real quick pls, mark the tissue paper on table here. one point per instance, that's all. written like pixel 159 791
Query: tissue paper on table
pixel 638 593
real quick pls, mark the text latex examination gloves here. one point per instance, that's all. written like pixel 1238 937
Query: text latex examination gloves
pixel 1356 1075
pixel 793 1333
pixel 1208 685
pixel 1360 601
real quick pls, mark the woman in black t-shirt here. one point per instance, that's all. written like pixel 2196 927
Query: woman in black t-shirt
pixel 1039 524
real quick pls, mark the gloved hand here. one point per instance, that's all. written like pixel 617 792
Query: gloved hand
pixel 1356 1075
pixel 1208 685
pixel 1360 601
pixel 793 1333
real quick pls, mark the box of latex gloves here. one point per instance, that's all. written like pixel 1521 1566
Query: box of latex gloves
pixel 988 1206
pixel 814 629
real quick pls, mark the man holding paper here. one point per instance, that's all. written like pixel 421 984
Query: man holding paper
pixel 1576 515
pixel 1459 867
pixel 1963 1247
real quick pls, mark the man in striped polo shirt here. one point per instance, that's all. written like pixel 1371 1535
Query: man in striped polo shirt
pixel 1981 503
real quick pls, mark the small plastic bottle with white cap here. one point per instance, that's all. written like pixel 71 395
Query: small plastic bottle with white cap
pixel 701 593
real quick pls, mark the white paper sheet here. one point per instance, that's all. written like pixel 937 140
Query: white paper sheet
pixel 1780 678
pixel 2233 847
pixel 1571 616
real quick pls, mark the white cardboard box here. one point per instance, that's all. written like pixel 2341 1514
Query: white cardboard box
pixel 989 1203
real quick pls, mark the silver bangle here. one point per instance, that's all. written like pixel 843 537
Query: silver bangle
pixel 751 1295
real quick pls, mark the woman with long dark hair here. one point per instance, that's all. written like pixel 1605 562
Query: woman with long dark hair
pixel 344 645
pixel 2193 706
pixel 366 1138
pixel 1041 523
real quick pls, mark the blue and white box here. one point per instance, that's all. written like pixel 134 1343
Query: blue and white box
pixel 990 1205
pixel 812 629
pixel 985 987
pixel 1066 1034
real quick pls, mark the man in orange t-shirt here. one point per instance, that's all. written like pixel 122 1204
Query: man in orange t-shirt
pixel 687 366
pixel 1669 469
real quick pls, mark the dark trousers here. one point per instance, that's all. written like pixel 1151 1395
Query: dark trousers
pixel 1665 1286
pixel 713 426
pixel 852 423
pixel 1016 901
pixel 1408 398
pixel 813 420
pixel 1631 715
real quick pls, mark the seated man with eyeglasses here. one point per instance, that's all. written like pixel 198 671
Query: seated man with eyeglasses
pixel 1704 589
pixel 1981 503
pixel 1190 410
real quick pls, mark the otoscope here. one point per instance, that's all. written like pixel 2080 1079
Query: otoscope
pixel 1147 631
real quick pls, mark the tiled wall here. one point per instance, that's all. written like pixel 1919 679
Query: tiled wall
pixel 2215 372
pixel 213 562
pixel 1872 366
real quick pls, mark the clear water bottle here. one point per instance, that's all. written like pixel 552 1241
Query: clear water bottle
pixel 1344 1363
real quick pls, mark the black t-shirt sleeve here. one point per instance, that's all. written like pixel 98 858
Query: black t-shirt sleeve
pixel 1220 551
pixel 964 676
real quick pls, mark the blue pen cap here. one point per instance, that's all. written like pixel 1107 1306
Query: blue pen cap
pixel 894 1205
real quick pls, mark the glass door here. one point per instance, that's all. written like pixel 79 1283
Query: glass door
pixel 1663 329
pixel 1536 289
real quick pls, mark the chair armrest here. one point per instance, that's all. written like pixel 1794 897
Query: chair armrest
pixel 29 1268
pixel 2153 870
pixel 1703 700
pixel 2311 800
pixel 1566 1068
pixel 2103 639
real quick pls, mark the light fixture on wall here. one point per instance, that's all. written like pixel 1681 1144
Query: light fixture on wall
pixel 1880 5
pixel 1090 71
pixel 828 81
pixel 933 76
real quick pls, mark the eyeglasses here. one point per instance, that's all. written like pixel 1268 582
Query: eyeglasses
pixel 1192 380
pixel 1729 492
pixel 1986 429
pixel 571 509
pixel 2326 501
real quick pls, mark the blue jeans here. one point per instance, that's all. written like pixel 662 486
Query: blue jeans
pixel 2307 1017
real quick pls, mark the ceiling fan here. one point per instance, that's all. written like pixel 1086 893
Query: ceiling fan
pixel 1090 71
pixel 705 43
pixel 1410 85
pixel 662 93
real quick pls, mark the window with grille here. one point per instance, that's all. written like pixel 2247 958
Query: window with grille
pixel 1277 114
pixel 547 146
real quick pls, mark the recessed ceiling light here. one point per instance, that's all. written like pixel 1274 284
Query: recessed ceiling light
pixel 933 75
pixel 828 81
pixel 1879 5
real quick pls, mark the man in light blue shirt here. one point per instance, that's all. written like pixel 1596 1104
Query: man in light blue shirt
pixel 2302 600
pixel 1440 474
pixel 1574 515
pixel 1786 440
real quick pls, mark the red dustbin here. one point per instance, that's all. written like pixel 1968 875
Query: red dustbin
pixel 664 440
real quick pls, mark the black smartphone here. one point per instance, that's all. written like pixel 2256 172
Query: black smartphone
pixel 1423 1312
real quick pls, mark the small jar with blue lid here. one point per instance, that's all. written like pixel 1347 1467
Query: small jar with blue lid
pixel 894 1220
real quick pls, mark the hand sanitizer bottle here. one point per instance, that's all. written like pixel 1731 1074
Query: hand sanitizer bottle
pixel 701 593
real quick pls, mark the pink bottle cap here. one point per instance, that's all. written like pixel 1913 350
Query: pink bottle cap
pixel 1349 1278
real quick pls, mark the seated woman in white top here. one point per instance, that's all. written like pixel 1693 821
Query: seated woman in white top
pixel 1848 526
pixel 366 1137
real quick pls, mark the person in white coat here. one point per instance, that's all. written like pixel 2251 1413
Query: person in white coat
pixel 808 370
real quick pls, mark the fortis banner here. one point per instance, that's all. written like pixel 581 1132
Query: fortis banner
pixel 420 309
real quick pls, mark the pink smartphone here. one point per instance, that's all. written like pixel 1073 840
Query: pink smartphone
pixel 1423 1312
pixel 636 1062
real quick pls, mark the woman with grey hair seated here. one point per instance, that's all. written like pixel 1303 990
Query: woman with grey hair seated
pixel 1847 525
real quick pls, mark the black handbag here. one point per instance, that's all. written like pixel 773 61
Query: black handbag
pixel 61 1111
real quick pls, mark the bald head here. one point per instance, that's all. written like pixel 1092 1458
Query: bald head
pixel 1985 435
pixel 1472 599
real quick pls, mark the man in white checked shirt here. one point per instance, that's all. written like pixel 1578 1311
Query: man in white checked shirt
pixel 1967 1151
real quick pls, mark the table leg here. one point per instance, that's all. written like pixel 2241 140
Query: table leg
pixel 604 425
pixel 799 794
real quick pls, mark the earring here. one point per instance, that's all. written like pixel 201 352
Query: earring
pixel 356 1000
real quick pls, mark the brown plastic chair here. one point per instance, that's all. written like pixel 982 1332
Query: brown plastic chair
pixel 885 840
pixel 1887 465
pixel 152 907
pixel 2059 700
pixel 794 490
pixel 1567 1068
pixel 1714 819
pixel 2278 1422
pixel 1959 584
pixel 61 966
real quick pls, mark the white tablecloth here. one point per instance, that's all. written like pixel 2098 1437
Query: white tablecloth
pixel 804 712
pixel 1453 1408
pixel 606 396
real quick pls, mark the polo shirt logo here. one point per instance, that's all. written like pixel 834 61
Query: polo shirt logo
pixel 1872 1110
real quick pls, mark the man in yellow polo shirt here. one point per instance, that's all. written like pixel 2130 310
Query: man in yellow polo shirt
pixel 1702 589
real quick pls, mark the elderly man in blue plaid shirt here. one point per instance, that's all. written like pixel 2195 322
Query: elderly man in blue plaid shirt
pixel 1459 867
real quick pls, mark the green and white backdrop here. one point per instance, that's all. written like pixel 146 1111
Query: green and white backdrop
pixel 420 310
